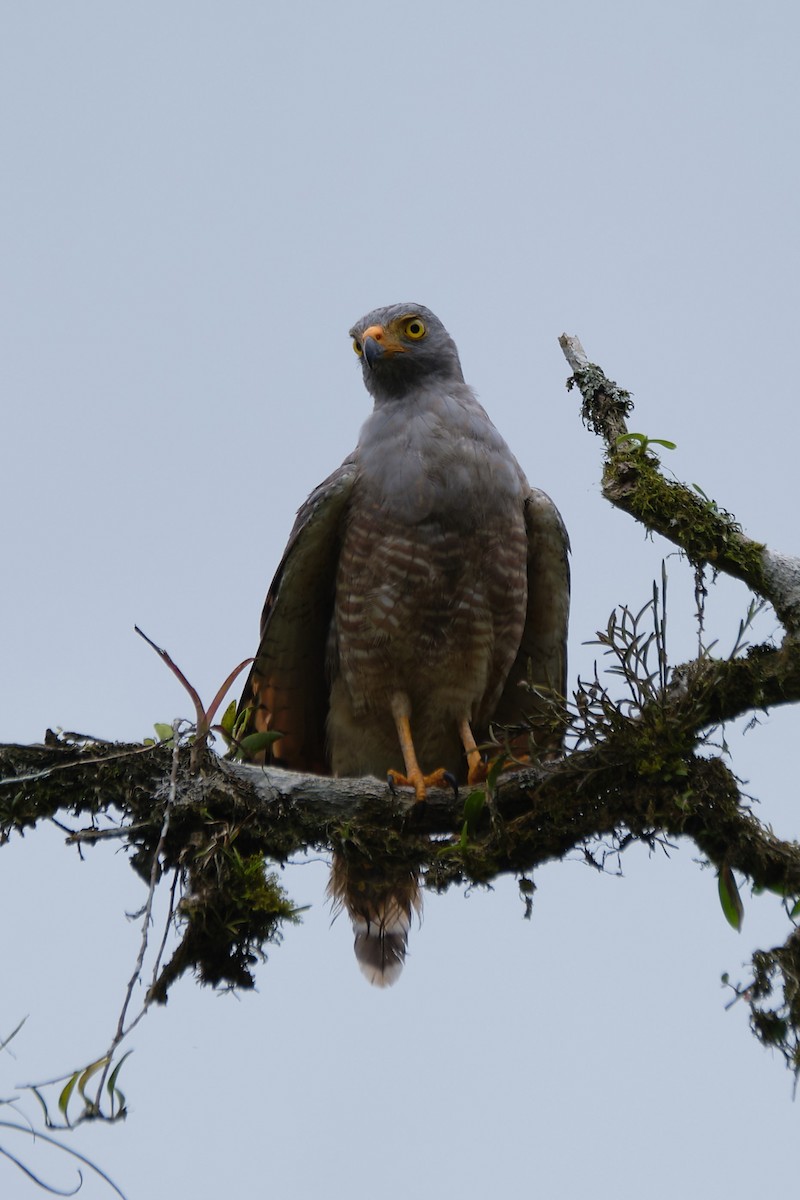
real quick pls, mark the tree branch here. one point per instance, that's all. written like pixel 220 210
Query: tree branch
pixel 625 782
pixel 633 481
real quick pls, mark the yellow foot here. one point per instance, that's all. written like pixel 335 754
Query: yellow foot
pixel 420 782
pixel 478 770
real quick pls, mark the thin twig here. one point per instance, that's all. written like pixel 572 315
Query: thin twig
pixel 99 835
pixel 37 1135
pixel 122 1031
pixel 167 925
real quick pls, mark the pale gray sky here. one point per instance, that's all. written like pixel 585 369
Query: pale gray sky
pixel 197 201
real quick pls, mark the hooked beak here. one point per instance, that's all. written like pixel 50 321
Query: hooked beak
pixel 373 350
pixel 377 342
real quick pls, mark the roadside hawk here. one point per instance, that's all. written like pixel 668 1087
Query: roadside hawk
pixel 423 595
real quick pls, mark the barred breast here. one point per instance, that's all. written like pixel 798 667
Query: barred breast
pixel 436 610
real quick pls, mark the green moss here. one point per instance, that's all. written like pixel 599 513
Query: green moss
pixel 233 908
pixel 633 481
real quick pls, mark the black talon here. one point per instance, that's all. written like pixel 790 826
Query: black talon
pixel 451 779
pixel 390 781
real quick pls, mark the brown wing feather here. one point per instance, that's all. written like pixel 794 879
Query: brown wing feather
pixel 287 687
pixel 542 658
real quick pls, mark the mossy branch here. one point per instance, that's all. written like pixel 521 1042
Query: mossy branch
pixel 644 780
pixel 633 481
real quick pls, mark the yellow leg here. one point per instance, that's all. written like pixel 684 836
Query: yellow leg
pixel 401 711
pixel 477 768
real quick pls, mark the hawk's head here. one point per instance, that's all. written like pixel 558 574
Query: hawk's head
pixel 401 346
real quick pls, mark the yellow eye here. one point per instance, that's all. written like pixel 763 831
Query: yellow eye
pixel 359 349
pixel 415 329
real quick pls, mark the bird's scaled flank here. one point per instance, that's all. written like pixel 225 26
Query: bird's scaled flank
pixel 423 595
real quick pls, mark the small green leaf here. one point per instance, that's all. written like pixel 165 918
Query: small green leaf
pixel 229 717
pixel 114 1092
pixel 473 807
pixel 241 723
pixel 163 731
pixel 730 899
pixel 795 910
pixel 711 505
pixel 495 769
pixel 777 889
pixel 645 441
pixel 66 1094
pixel 87 1074
pixel 254 743
pixel 448 848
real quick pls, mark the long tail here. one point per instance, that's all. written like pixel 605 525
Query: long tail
pixel 381 906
